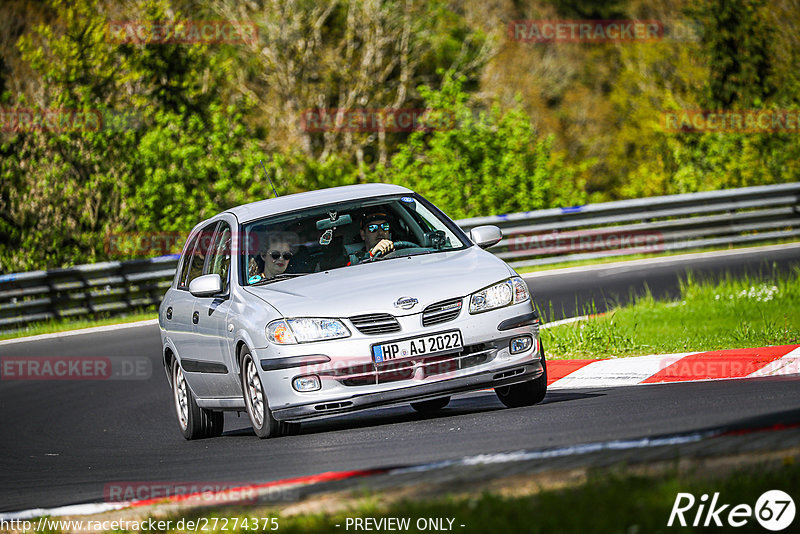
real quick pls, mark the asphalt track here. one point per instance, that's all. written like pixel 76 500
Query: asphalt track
pixel 64 442
pixel 569 292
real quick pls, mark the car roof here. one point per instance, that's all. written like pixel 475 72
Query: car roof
pixel 274 206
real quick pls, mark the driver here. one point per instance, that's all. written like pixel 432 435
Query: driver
pixel 377 236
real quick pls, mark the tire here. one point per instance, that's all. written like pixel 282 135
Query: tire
pixel 255 398
pixel 527 393
pixel 193 421
pixel 216 423
pixel 430 406
pixel 290 429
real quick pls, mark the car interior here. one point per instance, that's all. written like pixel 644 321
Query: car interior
pixel 327 238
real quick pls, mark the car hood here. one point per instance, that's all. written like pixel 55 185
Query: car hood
pixel 375 287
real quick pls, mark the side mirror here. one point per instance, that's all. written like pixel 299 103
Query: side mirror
pixel 206 286
pixel 485 236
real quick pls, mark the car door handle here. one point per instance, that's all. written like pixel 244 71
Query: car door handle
pixel 196 317
pixel 169 313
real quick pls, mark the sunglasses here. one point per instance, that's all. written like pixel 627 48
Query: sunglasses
pixel 276 254
pixel 374 227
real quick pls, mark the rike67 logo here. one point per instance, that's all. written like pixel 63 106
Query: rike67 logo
pixel 774 510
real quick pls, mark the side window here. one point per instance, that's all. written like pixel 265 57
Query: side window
pixel 186 261
pixel 197 260
pixel 220 260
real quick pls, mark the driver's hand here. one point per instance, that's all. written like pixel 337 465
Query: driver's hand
pixel 383 247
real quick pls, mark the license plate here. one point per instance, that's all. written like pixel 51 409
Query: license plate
pixel 417 346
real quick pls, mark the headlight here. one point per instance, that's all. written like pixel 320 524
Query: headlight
pixel 303 330
pixel 280 333
pixel 512 291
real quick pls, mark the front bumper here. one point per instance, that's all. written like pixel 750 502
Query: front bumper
pixel 351 383
pixel 487 379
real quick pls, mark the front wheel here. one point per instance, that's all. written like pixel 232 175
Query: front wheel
pixel 194 422
pixel 255 399
pixel 527 393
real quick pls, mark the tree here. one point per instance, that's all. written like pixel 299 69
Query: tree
pixel 348 55
pixel 736 38
pixel 176 155
pixel 474 162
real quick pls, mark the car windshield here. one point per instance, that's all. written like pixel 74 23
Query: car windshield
pixel 337 235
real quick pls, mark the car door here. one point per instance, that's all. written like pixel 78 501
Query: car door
pixel 180 306
pixel 213 355
pixel 179 303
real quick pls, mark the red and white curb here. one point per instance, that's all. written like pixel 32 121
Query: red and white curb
pixel 684 367
pixel 229 495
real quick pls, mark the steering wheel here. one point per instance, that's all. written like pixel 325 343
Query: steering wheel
pixel 403 244
pixel 397 246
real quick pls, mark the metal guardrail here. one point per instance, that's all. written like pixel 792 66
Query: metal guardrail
pixel 650 225
pixel 84 290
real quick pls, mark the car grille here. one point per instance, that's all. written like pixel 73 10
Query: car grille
pixel 441 312
pixel 370 373
pixel 376 323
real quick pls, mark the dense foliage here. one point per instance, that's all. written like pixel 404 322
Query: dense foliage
pixel 178 131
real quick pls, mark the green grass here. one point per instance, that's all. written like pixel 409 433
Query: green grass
pixel 63 325
pixel 609 500
pixel 730 314
pixel 606 503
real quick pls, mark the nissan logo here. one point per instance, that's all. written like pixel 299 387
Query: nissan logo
pixel 406 303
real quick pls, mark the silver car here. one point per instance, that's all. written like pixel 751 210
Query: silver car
pixel 287 309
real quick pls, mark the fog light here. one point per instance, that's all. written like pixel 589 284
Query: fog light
pixel 306 383
pixel 520 344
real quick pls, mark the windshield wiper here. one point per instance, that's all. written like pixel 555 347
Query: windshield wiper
pixel 426 251
pixel 382 257
pixel 278 278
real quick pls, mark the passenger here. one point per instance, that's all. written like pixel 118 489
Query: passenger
pixel 273 257
pixel 377 236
